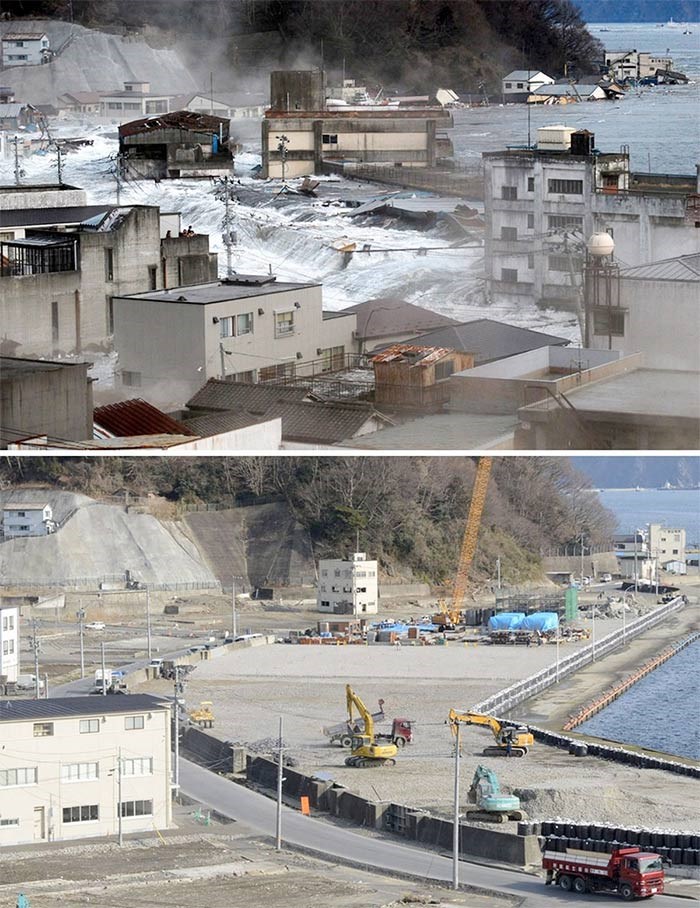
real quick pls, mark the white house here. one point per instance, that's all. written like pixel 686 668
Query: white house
pixel 523 82
pixel 348 587
pixel 25 49
pixel 81 767
pixel 667 544
pixel 19 519
pixel 9 641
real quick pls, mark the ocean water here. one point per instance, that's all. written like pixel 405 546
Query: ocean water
pixel 660 712
pixel 674 508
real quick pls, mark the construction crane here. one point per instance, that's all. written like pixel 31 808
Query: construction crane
pixel 453 615
pixel 366 750
pixel 511 741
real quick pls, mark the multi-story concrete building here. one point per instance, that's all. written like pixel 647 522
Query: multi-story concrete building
pixel 300 131
pixel 348 586
pixel 633 64
pixel 542 203
pixel 666 544
pixel 25 519
pixel 9 644
pixel 57 286
pixel 136 99
pixel 79 767
pixel 25 48
pixel 247 328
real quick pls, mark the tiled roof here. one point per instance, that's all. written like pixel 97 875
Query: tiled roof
pixel 223 421
pixel 136 417
pixel 242 396
pixel 489 340
pixel 323 423
pixel 683 268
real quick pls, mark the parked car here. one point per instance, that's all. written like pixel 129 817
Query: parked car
pixel 95 626
pixel 606 578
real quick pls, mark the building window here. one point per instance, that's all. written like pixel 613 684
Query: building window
pixel 87 813
pixel 284 323
pixel 247 377
pixel 332 359
pixel 89 726
pixel 26 775
pixel 509 193
pixel 530 260
pixel 109 264
pixel 520 84
pixel 43 729
pixel 9 821
pixel 281 370
pixel 244 324
pixel 54 321
pixel 138 766
pixel 80 772
pixel 112 105
pixel 509 233
pixel 109 309
pixel 563 221
pixel 152 277
pixel 609 321
pixel 131 379
pixel 442 371
pixel 226 326
pixel 564 263
pixel 329 139
pixel 530 184
pixel 509 275
pixel 132 722
pixel 566 187
pixel 136 808
pixel 531 222
pixel 509 84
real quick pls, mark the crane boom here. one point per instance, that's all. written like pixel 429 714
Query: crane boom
pixel 471 532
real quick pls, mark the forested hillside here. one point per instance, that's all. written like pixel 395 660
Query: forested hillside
pixel 409 511
pixel 411 44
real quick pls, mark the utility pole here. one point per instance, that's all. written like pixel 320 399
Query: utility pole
pixel 223 361
pixel 59 164
pixel 119 797
pixel 18 172
pixel 148 625
pixel 80 614
pixel 280 779
pixel 233 608
pixel 104 670
pixel 498 573
pixel 179 698
pixel 228 233
pixel 282 142
pixel 455 820
pixel 211 92
pixel 635 562
pixel 35 643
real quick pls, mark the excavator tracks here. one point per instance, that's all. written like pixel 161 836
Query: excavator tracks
pixel 369 762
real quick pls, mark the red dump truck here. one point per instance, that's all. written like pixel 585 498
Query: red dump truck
pixel 631 873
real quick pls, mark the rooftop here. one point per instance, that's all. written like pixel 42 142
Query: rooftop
pixel 242 396
pixel 489 340
pixel 177 119
pixel 47 217
pixel 136 417
pixel 23 506
pixel 243 286
pixel 388 315
pixel 522 75
pixel 683 268
pixel 23 36
pixel 69 707
pixel 11 366
pixel 411 353
pixel 457 432
pixel 322 423
pixel 222 421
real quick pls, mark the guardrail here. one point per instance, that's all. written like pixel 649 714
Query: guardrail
pixel 511 696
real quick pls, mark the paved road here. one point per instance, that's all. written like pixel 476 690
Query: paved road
pixel 258 812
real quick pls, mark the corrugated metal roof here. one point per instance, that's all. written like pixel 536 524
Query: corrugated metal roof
pixel 10 111
pixel 177 119
pixel 417 356
pixel 136 417
pixel 137 441
pixel 683 268
pixel 48 217
pixel 66 707
pixel 23 36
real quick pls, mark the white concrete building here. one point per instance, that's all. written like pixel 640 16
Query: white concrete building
pixel 348 587
pixel 9 642
pixel 666 544
pixel 80 767
pixel 633 64
pixel 19 519
pixel 24 49
pixel 520 83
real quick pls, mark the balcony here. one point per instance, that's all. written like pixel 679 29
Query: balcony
pixel 38 254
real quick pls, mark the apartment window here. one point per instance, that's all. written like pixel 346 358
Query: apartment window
pixel 137 766
pixel 19 43
pixel 329 139
pixel 43 729
pixel 325 603
pixel 509 84
pixel 509 233
pixel 510 193
pixel 284 323
pixel 89 726
pixel 54 321
pixel 8 647
pixel 442 371
pixel 564 221
pixel 530 184
pixel 132 722
pixel 248 377
pixel 531 222
pixel 566 187
pixel 152 277
pixel 25 775
pixel 609 321
pixel 109 264
pixel 9 821
pixel 226 326
pixel 136 808
pixel 83 814
pixel 131 379
pixel 112 105
pixel 109 312
pixel 281 370
pixel 244 324
pixel 509 275
pixel 80 772
pixel 131 105
pixel 530 260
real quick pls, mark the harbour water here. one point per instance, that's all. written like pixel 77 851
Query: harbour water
pixel 672 507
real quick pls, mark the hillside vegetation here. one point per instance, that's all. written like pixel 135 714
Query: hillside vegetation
pixel 410 512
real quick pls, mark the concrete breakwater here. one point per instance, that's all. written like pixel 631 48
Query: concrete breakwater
pixel 611 694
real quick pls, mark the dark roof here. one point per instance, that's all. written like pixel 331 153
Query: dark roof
pixel 60 707
pixel 48 217
pixel 322 423
pixel 389 315
pixel 14 365
pixel 222 421
pixel 129 418
pixel 177 119
pixel 242 396
pixel 243 287
pixel 489 340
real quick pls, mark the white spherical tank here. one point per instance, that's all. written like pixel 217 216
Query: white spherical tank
pixel 600 244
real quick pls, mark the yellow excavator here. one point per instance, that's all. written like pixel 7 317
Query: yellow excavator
pixel 449 617
pixel 511 741
pixel 203 715
pixel 366 750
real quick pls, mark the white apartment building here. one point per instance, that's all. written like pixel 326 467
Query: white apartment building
pixel 80 767
pixel 24 49
pixel 348 586
pixel 541 204
pixel 19 519
pixel 666 544
pixel 9 642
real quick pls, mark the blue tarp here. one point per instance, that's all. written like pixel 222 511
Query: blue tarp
pixel 506 621
pixel 541 621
